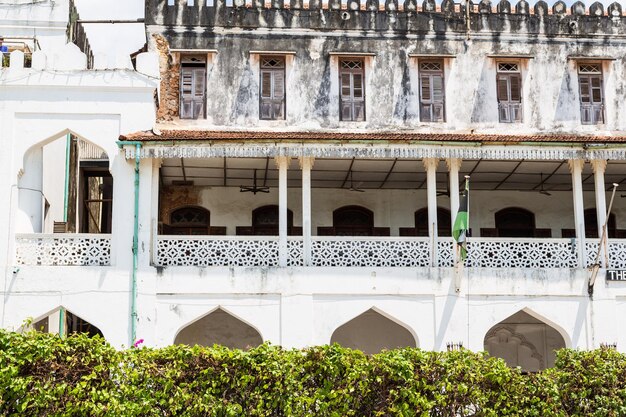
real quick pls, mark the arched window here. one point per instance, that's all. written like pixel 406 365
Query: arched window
pixel 222 328
pixel 443 222
pixel 515 222
pixel 190 220
pixel 65 322
pixel 591 224
pixel 372 332
pixel 524 341
pixel 265 222
pixel 353 221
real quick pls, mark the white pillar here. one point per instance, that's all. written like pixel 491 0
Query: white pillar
pixel 454 165
pixel 31 198
pixel 283 163
pixel 430 164
pixel 576 168
pixel 306 163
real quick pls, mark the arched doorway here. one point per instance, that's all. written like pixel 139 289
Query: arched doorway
pixel 525 341
pixel 372 332
pixel 515 222
pixel 444 227
pixel 591 224
pixel 62 321
pixel 221 328
pixel 66 187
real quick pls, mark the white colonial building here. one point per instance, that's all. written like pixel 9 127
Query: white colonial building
pixel 290 173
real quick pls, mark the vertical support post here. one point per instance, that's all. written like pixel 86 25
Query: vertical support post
pixel 133 295
pixel 283 163
pixel 306 163
pixel 430 164
pixel 576 168
pixel 454 166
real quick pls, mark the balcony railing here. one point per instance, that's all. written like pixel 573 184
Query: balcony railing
pixel 326 251
pixel 63 249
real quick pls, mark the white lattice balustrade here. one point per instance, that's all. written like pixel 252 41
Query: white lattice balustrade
pixel 520 253
pixel 63 249
pixel 617 253
pixel 217 251
pixel 370 251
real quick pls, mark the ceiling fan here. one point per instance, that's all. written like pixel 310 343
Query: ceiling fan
pixel 353 188
pixel 541 189
pixel 254 188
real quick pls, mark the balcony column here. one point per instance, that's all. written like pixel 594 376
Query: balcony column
pixel 430 164
pixel 306 163
pixel 599 167
pixel 454 166
pixel 283 164
pixel 576 168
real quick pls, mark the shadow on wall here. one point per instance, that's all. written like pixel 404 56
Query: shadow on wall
pixel 567 106
pixel 219 327
pixel 372 332
pixel 485 106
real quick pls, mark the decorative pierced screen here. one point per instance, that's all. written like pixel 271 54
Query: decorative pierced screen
pixel 589 69
pixel 508 67
pixel 272 62
pixel 351 64
pixel 431 66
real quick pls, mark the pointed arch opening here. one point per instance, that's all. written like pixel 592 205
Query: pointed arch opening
pixel 371 332
pixel 65 187
pixel 524 341
pixel 219 328
pixel 64 322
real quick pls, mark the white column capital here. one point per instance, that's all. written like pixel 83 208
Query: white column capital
pixel 306 161
pixel 575 164
pixel 598 165
pixel 430 163
pixel 454 163
pixel 282 161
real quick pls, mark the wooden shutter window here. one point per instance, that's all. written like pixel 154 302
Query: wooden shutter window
pixel 272 103
pixel 509 92
pixel 591 93
pixel 192 92
pixel 352 90
pixel 431 91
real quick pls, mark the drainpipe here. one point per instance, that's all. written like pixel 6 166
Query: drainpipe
pixel 133 290
pixel 67 177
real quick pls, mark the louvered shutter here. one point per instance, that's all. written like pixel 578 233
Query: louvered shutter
pixel 199 88
pixel 503 88
pixel 192 92
pixel 516 88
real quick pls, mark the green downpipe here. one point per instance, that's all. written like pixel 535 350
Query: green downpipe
pixel 66 194
pixel 133 295
pixel 62 322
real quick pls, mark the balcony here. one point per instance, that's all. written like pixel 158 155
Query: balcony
pixel 63 249
pixel 262 251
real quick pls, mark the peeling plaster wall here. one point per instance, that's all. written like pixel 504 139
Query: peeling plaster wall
pixel 550 82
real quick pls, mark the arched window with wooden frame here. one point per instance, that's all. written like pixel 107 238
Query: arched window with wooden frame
pixel 421 223
pixel 515 222
pixel 591 224
pixel 189 220
pixel 353 221
pixel 265 222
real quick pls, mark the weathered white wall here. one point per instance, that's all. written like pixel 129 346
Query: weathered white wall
pixel 46 20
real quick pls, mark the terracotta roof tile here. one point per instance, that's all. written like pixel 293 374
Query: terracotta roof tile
pixel 316 136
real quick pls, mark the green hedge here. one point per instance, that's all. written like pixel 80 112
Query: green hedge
pixel 43 375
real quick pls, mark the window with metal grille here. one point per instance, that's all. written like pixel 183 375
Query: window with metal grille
pixel 192 88
pixel 272 103
pixel 591 94
pixel 431 91
pixel 352 86
pixel 509 91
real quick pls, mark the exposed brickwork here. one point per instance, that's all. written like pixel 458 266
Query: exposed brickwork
pixel 170 79
pixel 176 197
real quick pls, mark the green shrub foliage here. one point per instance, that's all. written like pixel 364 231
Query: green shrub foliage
pixel 44 375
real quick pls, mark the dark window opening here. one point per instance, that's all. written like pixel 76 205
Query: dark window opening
pixel 515 222
pixel 353 221
pixel 591 225
pixel 96 195
pixel 443 222
pixel 265 222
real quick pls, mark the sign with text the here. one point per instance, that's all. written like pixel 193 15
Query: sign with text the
pixel 616 275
